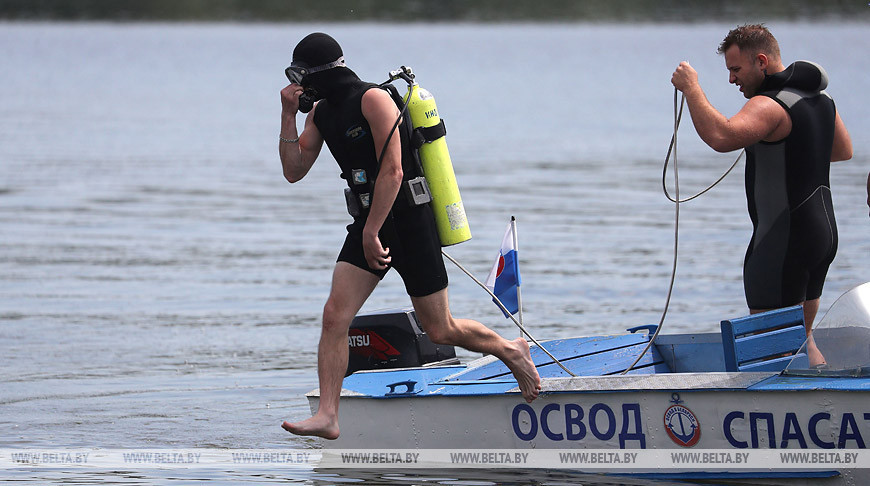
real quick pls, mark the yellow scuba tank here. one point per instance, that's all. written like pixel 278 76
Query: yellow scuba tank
pixel 438 169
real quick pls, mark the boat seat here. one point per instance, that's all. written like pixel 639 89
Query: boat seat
pixel 766 341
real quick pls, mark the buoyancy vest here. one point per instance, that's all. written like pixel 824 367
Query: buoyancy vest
pixel 783 175
pixel 349 138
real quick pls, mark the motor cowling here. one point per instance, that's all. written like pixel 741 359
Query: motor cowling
pixel 392 339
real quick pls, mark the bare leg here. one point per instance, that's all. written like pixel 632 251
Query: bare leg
pixel 811 308
pixel 351 286
pixel 434 314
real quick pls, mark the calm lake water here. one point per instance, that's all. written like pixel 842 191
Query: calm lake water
pixel 161 284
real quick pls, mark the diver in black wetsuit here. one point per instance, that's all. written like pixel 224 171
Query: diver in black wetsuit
pixel 792 132
pixel 354 118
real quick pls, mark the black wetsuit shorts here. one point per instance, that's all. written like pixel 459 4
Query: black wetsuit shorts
pixel 787 265
pixel 412 239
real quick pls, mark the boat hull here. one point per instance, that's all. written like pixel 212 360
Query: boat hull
pixel 731 419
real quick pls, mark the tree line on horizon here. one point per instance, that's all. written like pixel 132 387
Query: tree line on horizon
pixel 431 10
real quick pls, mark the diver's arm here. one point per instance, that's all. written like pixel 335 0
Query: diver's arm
pixel 759 119
pixel 842 149
pixel 297 157
pixel 380 111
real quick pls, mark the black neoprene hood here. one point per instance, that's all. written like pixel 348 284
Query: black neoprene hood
pixel 315 50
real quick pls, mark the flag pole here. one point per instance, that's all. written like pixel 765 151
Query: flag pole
pixel 519 284
pixel 504 309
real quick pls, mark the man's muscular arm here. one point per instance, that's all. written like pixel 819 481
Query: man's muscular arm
pixel 842 149
pixel 761 118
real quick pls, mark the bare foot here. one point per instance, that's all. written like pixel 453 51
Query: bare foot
pixel 317 426
pixel 524 370
pixel 815 356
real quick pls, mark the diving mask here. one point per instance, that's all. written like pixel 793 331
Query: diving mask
pixel 298 70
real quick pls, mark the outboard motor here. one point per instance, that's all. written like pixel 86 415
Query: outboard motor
pixel 392 339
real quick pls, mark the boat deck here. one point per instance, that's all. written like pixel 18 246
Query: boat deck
pixel 600 361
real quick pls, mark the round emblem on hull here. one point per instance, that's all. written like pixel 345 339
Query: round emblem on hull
pixel 682 426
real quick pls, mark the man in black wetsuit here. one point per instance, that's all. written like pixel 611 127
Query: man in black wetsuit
pixel 791 131
pixel 354 118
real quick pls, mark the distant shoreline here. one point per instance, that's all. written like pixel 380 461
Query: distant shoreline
pixel 494 11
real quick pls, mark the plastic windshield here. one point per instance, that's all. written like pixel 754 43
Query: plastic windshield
pixel 842 336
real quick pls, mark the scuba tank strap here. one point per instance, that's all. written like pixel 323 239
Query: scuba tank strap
pixel 428 134
pixel 403 123
pixel 406 125
pixel 419 135
pixel 415 187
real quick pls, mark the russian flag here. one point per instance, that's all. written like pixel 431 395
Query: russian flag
pixel 504 278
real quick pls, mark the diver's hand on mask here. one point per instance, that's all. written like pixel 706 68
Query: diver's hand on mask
pixel 290 98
